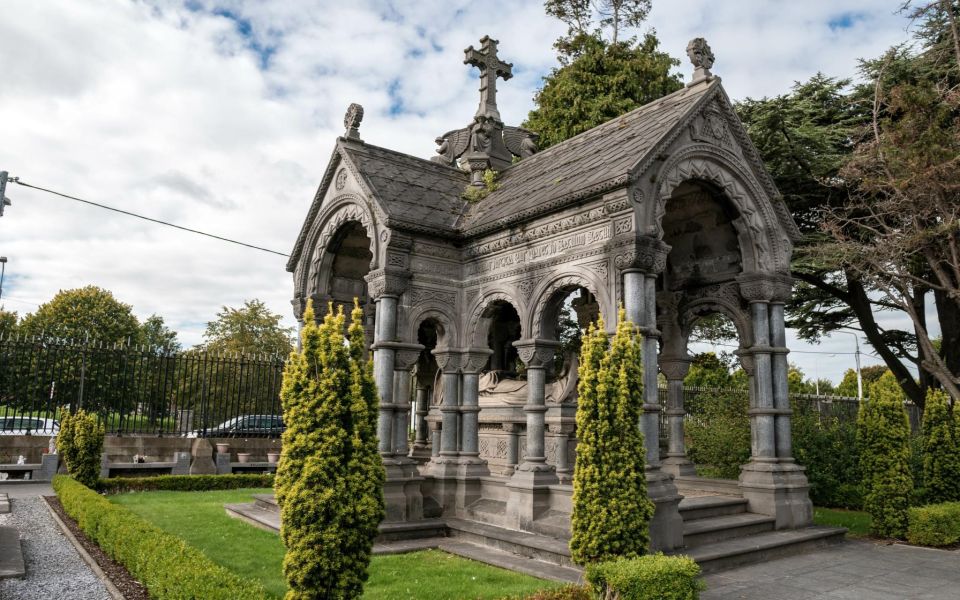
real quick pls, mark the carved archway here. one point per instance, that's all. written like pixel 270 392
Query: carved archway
pixel 552 293
pixel 341 210
pixel 478 325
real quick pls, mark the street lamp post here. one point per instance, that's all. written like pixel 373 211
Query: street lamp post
pixel 856 341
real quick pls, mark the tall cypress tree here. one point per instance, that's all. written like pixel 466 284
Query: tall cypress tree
pixel 330 477
pixel 611 511
pixel 941 462
pixel 883 434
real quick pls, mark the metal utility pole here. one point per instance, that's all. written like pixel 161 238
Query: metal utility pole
pixel 4 201
pixel 3 271
pixel 856 341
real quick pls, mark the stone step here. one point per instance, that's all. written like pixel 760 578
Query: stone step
pixel 699 532
pixel 255 514
pixel 554 523
pixel 11 554
pixel 729 487
pixel 4 504
pixel 703 507
pixel 266 502
pixel 530 545
pixel 728 554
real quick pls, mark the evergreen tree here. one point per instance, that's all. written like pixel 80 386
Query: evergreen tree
pixel 330 478
pixel 941 461
pixel 80 444
pixel 611 511
pixel 883 434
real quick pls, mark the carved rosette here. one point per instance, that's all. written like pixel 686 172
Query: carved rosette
pixel 675 368
pixel 388 281
pixel 647 254
pixel 472 360
pixel 448 360
pixel 765 287
pixel 535 353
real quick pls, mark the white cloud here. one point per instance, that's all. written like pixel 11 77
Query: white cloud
pixel 220 116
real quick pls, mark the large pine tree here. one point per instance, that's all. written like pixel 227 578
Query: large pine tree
pixel 330 478
pixel 611 510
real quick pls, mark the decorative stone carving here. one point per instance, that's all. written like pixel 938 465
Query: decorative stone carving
pixel 388 281
pixel 702 58
pixel 341 179
pixel 351 121
pixel 711 126
pixel 675 368
pixel 765 287
pixel 547 295
pixel 448 360
pixel 419 295
pixel 406 357
pixel 474 359
pixel 536 353
pixel 647 254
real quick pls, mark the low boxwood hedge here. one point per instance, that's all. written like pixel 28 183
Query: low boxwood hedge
pixel 934 524
pixel 646 577
pixel 168 567
pixel 184 483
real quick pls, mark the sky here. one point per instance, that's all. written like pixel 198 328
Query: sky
pixel 220 115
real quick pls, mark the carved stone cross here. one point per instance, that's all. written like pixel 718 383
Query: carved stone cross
pixel 491 67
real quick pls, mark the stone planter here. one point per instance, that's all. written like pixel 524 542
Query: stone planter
pixel 273 457
pixel 223 448
pixel 243 457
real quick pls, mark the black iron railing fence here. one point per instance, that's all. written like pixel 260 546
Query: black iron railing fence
pixel 134 389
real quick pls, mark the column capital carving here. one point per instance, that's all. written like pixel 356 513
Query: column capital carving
pixel 448 359
pixel 675 368
pixel 406 356
pixel 388 281
pixel 647 254
pixel 746 360
pixel 765 287
pixel 536 353
pixel 474 359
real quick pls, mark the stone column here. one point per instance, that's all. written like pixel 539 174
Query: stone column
pixel 529 492
pixel 781 397
pixel 771 486
pixel 472 361
pixel 561 432
pixel 404 360
pixel 383 363
pixel 647 258
pixel 513 444
pixel 421 442
pixel 676 463
pixel 449 363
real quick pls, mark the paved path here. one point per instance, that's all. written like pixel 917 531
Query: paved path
pixel 854 570
pixel 26 490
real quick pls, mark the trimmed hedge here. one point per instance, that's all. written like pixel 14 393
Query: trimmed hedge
pixel 168 567
pixel 646 577
pixel 567 592
pixel 184 483
pixel 935 524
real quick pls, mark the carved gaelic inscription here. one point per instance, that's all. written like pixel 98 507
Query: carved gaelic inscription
pixel 542 251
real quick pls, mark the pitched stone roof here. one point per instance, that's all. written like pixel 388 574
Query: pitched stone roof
pixel 416 194
pixel 594 161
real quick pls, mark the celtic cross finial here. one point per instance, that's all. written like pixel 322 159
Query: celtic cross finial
pixel 491 67
pixel 351 121
pixel 702 58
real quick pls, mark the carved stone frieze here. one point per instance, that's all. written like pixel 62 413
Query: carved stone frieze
pixel 536 232
pixel 538 252
pixel 421 295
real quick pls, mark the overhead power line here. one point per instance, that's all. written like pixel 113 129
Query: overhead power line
pixel 152 220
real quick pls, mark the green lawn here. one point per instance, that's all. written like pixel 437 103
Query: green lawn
pixel 858 522
pixel 199 518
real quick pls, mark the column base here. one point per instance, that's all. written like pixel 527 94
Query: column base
pixel 402 492
pixel 469 471
pixel 678 466
pixel 666 527
pixel 779 490
pixel 529 494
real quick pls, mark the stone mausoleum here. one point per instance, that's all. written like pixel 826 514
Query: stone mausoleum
pixel 666 209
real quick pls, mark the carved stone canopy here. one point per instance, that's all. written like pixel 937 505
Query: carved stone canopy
pixel 351 121
pixel 536 353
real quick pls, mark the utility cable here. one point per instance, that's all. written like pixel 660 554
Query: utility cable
pixel 152 220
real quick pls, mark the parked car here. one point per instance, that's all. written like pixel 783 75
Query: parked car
pixel 28 426
pixel 245 426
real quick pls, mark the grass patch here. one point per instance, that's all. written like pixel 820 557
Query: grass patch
pixel 199 519
pixel 856 521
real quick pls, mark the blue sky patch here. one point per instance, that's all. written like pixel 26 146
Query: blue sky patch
pixel 845 20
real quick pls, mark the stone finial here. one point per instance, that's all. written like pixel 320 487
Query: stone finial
pixel 491 67
pixel 351 121
pixel 702 58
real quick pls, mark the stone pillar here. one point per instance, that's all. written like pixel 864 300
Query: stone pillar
pixel 529 491
pixel 771 482
pixel 513 443
pixel 421 443
pixel 434 441
pixel 781 394
pixel 404 361
pixel 676 463
pixel 383 362
pixel 471 466
pixel 561 432
pixel 449 362
pixel 640 269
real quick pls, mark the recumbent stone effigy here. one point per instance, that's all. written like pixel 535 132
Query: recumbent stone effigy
pixel 666 209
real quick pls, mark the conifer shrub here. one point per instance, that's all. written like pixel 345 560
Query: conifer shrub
pixel 611 510
pixel 646 577
pixel 935 525
pixel 883 436
pixel 941 461
pixel 80 445
pixel 329 481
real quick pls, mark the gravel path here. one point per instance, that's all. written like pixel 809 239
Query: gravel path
pixel 54 569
